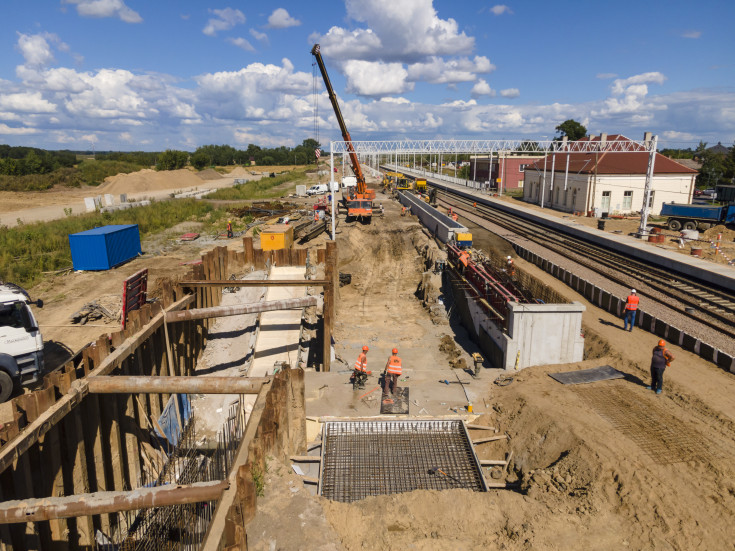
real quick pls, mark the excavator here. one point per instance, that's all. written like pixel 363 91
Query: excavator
pixel 359 204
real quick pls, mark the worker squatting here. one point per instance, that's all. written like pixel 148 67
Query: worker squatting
pixel 391 373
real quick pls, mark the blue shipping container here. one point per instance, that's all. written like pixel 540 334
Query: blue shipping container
pixel 104 248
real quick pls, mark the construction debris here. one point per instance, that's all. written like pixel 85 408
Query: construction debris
pixel 108 307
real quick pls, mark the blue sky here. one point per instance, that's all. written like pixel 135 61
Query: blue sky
pixel 151 75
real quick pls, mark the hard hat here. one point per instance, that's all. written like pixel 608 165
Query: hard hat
pixel 365 348
pixel 229 221
pixel 395 351
pixel 662 342
pixel 508 258
pixel 632 291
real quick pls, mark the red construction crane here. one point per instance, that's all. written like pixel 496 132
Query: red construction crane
pixel 360 204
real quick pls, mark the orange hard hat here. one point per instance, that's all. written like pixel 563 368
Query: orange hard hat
pixel 662 342
pixel 395 351
pixel 365 348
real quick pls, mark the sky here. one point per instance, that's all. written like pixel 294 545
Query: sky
pixel 147 75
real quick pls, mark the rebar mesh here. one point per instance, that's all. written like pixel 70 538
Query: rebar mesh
pixel 180 527
pixel 650 425
pixel 367 458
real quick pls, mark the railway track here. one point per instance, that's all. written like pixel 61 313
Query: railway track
pixel 712 307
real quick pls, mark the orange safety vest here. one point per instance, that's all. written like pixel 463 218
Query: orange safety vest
pixel 394 365
pixel 361 363
pixel 464 257
pixel 632 303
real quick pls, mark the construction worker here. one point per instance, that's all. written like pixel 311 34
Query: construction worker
pixel 464 258
pixel 510 267
pixel 229 229
pixel 631 307
pixel 660 360
pixel 359 377
pixel 455 217
pixel 392 372
pixel 403 211
pixel 474 204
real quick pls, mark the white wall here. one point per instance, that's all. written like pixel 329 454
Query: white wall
pixel 666 188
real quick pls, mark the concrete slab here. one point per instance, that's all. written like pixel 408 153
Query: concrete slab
pixel 279 332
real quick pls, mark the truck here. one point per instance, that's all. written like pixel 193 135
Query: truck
pixel 317 189
pixel 692 217
pixel 21 344
pixel 349 183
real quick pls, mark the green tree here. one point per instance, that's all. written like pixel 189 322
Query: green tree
pixel 572 129
pixel 712 171
pixel 172 159
pixel 199 160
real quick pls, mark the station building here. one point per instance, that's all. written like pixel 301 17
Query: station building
pixel 606 182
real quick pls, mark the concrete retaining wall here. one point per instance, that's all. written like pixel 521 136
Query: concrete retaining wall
pixel 438 223
pixel 605 300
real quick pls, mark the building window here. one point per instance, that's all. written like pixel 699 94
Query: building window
pixel 627 200
pixel 522 168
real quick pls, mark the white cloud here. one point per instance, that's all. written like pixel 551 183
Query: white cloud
pixel 691 34
pixel 605 76
pixel 225 20
pixel 241 43
pixel 9 130
pixel 106 8
pixel 621 85
pixel 261 37
pixel 375 78
pixel 510 93
pixel 26 102
pixel 500 9
pixel 280 19
pixel 406 31
pixel 438 71
pixel 35 49
pixel 482 88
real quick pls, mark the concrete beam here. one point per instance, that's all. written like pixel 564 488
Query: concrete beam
pixel 222 311
pixel 81 505
pixel 119 384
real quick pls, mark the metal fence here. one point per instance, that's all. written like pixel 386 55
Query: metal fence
pixel 180 527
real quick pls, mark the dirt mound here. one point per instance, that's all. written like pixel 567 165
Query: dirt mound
pixel 150 180
pixel 209 174
pixel 240 172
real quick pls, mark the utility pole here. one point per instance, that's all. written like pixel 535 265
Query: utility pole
pixel 652 143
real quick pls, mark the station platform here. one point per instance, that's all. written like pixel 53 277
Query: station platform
pixel 716 274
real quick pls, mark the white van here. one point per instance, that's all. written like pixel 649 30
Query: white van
pixel 317 189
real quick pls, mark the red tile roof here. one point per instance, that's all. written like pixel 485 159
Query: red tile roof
pixel 612 163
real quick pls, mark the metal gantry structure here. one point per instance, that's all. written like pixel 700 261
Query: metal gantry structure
pixel 372 151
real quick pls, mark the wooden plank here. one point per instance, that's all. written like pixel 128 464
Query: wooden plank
pixel 491 462
pixel 305 458
pixel 479 427
pixel 256 283
pixel 490 439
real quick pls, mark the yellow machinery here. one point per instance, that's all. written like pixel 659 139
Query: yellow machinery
pixel 421 185
pixel 390 178
pixel 276 237
pixel 404 184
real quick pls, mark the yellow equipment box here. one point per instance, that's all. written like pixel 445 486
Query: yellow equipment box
pixel 276 237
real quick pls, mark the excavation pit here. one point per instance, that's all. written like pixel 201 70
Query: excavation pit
pixel 369 458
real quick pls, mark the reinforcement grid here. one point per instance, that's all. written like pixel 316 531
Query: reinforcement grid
pixel 650 425
pixel 367 458
pixel 180 527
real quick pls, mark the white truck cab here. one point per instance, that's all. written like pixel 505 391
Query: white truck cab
pixel 349 182
pixel 21 344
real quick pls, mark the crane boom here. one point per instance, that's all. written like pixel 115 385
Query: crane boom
pixel 361 187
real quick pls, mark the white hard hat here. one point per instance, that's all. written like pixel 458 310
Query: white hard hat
pixel 632 290
pixel 509 258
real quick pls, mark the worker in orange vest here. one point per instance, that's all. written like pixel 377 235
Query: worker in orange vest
pixel 474 204
pixel 660 360
pixel 631 307
pixel 403 211
pixel 464 258
pixel 392 372
pixel 511 269
pixel 359 377
pixel 229 229
pixel 455 217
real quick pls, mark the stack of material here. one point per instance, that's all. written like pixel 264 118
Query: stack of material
pixel 106 307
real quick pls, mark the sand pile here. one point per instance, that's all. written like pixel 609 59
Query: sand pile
pixel 209 174
pixel 241 172
pixel 150 180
